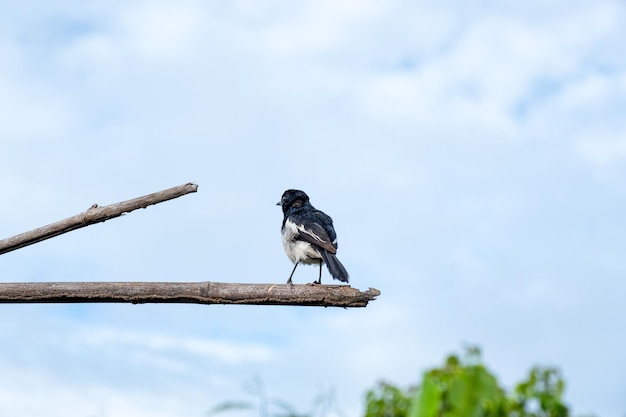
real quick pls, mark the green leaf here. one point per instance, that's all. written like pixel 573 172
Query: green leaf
pixel 426 402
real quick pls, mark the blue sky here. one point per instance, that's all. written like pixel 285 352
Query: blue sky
pixel 472 155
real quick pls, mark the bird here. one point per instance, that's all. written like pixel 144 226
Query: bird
pixel 309 236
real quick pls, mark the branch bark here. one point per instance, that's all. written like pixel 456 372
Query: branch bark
pixel 186 292
pixel 95 214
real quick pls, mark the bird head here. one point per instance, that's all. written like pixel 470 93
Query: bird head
pixel 292 198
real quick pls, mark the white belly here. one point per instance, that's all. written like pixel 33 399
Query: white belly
pixel 303 252
pixel 298 250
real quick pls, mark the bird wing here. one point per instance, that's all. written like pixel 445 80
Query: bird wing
pixel 316 235
pixel 326 222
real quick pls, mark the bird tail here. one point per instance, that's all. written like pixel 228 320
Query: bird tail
pixel 335 267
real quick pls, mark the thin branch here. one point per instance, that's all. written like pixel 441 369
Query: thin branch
pixel 95 214
pixel 186 292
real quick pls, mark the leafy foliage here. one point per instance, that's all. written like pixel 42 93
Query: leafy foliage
pixel 465 388
pixel 540 395
pixel 387 400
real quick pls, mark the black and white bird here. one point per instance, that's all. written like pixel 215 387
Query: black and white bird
pixel 309 236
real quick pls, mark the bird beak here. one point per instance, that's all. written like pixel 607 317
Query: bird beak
pixel 279 204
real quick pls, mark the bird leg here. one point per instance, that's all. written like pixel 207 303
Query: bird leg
pixel 294 270
pixel 319 280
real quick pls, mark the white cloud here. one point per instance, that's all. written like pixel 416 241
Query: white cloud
pixel 587 114
pixel 29 113
pixel 482 75
pixel 163 31
pixel 602 149
pixel 169 345
pixel 36 393
pixel 317 27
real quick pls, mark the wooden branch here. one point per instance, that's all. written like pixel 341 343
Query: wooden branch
pixel 186 292
pixel 95 214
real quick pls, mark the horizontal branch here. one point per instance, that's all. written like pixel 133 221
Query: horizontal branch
pixel 186 292
pixel 95 214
